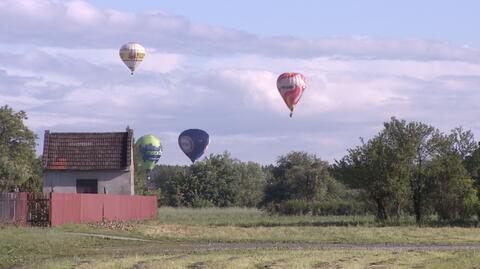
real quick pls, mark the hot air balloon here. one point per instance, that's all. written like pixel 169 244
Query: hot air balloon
pixel 291 87
pixel 150 150
pixel 193 143
pixel 132 55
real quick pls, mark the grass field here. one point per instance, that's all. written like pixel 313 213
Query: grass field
pixel 186 238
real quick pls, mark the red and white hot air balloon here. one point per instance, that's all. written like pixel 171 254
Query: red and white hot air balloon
pixel 291 87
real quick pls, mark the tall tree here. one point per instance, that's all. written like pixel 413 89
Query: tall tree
pixel 423 140
pixel 298 175
pixel 167 180
pixel 472 164
pixel 17 150
pixel 381 166
pixel 463 142
pixel 452 190
pixel 35 181
pixel 140 172
pixel 218 180
pixel 413 162
pixel 250 187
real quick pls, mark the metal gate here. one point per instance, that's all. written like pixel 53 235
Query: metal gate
pixel 38 209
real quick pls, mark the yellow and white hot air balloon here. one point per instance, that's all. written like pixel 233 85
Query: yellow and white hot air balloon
pixel 132 55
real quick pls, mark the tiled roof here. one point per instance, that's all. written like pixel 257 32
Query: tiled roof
pixel 87 151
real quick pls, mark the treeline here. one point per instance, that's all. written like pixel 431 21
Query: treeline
pixel 413 168
pixel 407 169
pixel 299 183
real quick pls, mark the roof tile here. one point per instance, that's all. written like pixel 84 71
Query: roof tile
pixel 87 151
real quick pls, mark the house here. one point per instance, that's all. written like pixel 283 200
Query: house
pixel 88 162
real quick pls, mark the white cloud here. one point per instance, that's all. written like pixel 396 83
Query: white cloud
pixel 82 13
pixel 59 62
pixel 79 24
pixel 48 120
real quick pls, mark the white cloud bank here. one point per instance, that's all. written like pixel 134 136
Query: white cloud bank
pixel 59 62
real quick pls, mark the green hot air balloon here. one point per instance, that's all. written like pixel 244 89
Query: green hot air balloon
pixel 150 150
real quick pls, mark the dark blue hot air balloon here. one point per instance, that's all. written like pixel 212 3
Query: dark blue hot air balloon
pixel 193 143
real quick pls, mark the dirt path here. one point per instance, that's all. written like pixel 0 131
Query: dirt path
pixel 200 247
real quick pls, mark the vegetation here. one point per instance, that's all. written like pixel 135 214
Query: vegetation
pixel 19 167
pixel 141 174
pixel 413 168
pixel 298 259
pixel 301 184
pixel 250 225
pixel 37 245
pixel 240 238
pixel 407 169
pixel 225 225
pixel 218 180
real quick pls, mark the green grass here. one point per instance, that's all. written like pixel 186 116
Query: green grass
pixel 250 225
pixel 251 217
pixel 300 259
pixel 355 235
pixel 177 235
pixel 25 245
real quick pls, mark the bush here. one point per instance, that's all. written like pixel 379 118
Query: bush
pixel 336 207
pixel 316 208
pixel 294 207
pixel 198 202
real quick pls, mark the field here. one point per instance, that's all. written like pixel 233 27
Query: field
pixel 240 238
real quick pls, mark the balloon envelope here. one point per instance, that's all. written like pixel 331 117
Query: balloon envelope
pixel 291 87
pixel 132 55
pixel 150 150
pixel 193 143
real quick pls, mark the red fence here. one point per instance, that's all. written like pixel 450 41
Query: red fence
pixel 82 208
pixel 59 208
pixel 13 207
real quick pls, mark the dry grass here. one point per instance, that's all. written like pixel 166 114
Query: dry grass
pixel 177 228
pixel 356 235
pixel 270 259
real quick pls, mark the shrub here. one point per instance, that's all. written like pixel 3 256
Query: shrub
pixel 316 208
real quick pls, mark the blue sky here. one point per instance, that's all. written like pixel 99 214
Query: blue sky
pixel 451 21
pixel 213 65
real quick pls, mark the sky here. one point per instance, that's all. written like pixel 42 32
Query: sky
pixel 213 65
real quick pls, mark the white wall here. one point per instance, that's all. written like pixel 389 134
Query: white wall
pixel 116 182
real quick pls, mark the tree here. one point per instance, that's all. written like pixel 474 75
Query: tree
pixel 472 164
pixel 413 163
pixel 18 163
pixel 424 140
pixel 381 166
pixel 250 187
pixel 298 175
pixel 218 180
pixel 140 173
pixel 453 193
pixel 167 179
pixel 34 182
pixel 214 180
pixel 463 142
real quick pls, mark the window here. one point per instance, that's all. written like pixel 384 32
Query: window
pixel 87 186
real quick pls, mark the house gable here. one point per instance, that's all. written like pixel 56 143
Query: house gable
pixel 87 151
